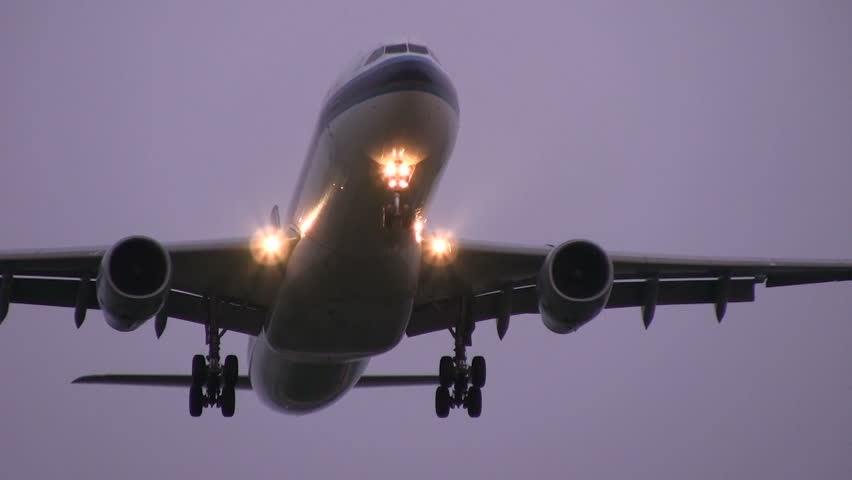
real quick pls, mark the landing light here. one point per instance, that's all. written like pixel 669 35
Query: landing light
pixel 440 246
pixel 439 249
pixel 390 170
pixel 267 245
pixel 397 169
pixel 271 244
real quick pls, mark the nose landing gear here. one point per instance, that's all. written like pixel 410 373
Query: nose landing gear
pixel 465 380
pixel 395 215
pixel 213 382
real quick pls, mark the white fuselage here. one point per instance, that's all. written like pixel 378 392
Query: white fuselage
pixel 350 280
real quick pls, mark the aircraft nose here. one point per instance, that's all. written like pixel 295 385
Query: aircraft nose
pixel 405 72
pixel 417 73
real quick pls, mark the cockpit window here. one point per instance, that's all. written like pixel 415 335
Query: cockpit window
pixel 375 55
pixel 413 48
pixel 398 48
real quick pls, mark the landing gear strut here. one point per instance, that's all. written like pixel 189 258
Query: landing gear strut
pixel 213 382
pixel 397 215
pixel 461 383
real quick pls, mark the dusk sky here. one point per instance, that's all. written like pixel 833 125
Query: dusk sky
pixel 695 128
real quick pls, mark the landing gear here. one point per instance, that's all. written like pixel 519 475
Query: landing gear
pixel 231 370
pixel 454 373
pixel 228 401
pixel 447 371
pixel 466 383
pixel 397 215
pixel 477 372
pixel 473 402
pixel 196 400
pixel 199 370
pixel 442 402
pixel 213 382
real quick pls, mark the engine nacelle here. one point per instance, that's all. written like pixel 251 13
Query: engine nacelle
pixel 574 285
pixel 133 282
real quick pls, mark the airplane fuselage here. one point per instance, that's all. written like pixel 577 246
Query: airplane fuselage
pixel 350 281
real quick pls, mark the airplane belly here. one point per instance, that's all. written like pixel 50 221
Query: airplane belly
pixel 299 387
pixel 336 307
pixel 350 281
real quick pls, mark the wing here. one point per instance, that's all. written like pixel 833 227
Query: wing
pixel 244 382
pixel 223 269
pixel 494 281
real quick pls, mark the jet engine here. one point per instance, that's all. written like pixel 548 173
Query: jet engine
pixel 133 281
pixel 574 285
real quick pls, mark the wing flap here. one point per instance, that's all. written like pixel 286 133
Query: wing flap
pixel 225 269
pixel 477 267
pixel 56 292
pixel 636 266
pixel 51 292
pixel 233 316
pixel 680 292
pixel 441 315
pixel 790 279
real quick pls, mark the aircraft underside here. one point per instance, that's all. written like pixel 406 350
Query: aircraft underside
pixel 355 270
pixel 350 282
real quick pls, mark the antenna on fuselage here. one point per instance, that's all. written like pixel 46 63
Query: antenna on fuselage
pixel 275 218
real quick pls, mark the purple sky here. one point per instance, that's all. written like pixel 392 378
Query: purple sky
pixel 714 128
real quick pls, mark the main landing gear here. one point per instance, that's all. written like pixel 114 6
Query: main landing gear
pixel 461 383
pixel 213 382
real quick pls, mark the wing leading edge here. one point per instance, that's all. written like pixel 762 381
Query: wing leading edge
pixel 491 280
pixel 224 270
pixel 495 281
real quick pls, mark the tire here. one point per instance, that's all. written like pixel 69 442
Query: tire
pixel 229 401
pixel 477 372
pixel 231 371
pixel 474 402
pixel 442 402
pixel 199 370
pixel 196 400
pixel 446 372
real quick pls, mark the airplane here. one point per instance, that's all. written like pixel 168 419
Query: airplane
pixel 355 269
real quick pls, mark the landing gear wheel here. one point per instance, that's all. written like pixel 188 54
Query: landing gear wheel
pixel 474 402
pixel 477 372
pixel 442 402
pixel 199 370
pixel 229 401
pixel 196 400
pixel 446 371
pixel 230 371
